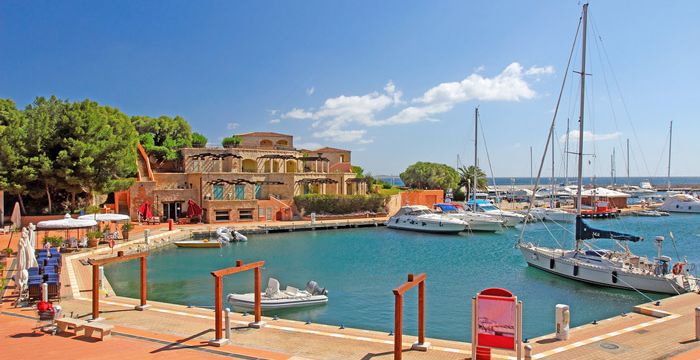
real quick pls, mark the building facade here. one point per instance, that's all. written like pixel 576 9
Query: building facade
pixel 254 181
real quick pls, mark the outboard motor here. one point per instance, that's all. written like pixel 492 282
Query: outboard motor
pixel 313 288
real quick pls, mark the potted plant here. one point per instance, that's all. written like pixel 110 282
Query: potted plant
pixel 125 230
pixel 94 238
pixel 55 241
pixel 231 141
pixel 8 251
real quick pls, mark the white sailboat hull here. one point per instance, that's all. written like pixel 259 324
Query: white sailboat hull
pixel 556 262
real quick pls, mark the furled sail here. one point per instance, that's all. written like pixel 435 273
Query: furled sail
pixel 585 232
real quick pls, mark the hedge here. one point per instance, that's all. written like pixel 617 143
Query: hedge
pixel 340 204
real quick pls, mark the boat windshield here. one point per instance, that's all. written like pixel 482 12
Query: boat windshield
pixel 488 208
pixel 419 212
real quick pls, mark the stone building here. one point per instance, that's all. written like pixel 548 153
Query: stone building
pixel 254 181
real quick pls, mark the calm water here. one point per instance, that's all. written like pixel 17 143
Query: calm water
pixel 360 267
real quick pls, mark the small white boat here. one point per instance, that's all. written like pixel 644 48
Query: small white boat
pixel 274 298
pixel 650 213
pixel 420 218
pixel 226 235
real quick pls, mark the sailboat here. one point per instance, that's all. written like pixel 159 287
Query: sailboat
pixel 485 207
pixel 619 269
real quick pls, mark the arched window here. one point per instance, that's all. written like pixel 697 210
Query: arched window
pixel 250 165
pixel 266 143
pixel 291 166
pixel 282 143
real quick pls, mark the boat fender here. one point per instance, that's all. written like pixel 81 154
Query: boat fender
pixel 677 268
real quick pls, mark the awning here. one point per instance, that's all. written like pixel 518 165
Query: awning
pixel 145 210
pixel 193 210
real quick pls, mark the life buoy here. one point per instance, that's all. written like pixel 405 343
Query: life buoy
pixel 677 268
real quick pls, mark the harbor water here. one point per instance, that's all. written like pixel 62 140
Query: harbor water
pixel 361 266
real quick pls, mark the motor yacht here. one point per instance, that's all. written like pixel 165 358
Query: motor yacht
pixel 552 214
pixel 420 218
pixel 509 218
pixel 475 221
pixel 681 203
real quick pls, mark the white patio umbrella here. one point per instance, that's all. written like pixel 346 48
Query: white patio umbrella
pixel 67 223
pixel 28 249
pixel 16 216
pixel 32 235
pixel 23 274
pixel 105 217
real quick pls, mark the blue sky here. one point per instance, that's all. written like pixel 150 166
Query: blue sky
pixel 394 81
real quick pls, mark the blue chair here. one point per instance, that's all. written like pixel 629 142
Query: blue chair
pixel 33 271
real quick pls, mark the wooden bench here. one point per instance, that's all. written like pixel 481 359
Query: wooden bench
pixel 104 330
pixel 70 325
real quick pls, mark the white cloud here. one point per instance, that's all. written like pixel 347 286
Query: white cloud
pixel 589 136
pixel 232 126
pixel 345 118
pixel 297 113
pixel 308 146
pixel 273 112
pixel 275 121
pixel 310 91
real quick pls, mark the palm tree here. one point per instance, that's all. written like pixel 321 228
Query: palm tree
pixel 466 177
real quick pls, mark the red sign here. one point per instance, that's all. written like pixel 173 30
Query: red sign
pixel 496 319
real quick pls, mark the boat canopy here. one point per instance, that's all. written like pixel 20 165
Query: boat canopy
pixel 446 207
pixel 585 232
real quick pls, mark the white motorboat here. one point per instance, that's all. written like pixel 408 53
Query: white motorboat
pixel 274 298
pixel 475 221
pixel 552 214
pixel 681 203
pixel 620 269
pixel 650 213
pixel 420 218
pixel 509 218
pixel 227 235
pixel 636 191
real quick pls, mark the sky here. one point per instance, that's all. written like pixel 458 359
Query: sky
pixel 395 82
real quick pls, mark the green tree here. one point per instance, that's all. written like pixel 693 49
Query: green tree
pixel 199 140
pixel 466 177
pixel 164 136
pixel 358 170
pixel 98 149
pixel 231 141
pixel 427 175
pixel 14 169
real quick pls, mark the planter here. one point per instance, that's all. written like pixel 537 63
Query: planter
pixel 93 242
pixel 126 235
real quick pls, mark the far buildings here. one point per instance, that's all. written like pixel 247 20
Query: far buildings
pixel 256 180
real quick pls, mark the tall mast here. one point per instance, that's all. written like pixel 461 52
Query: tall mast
pixel 612 167
pixel 531 182
pixel 551 202
pixel 566 154
pixel 476 157
pixel 670 141
pixel 579 184
pixel 628 161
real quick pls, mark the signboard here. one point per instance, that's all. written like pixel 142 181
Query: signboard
pixel 496 321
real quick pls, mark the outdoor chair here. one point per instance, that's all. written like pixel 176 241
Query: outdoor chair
pixel 34 290
pixel 5 229
pixel 83 242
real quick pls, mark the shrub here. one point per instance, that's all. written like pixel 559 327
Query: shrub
pixel 55 241
pixel 231 141
pixel 92 209
pixel 199 140
pixel 386 186
pixel 92 235
pixel 339 204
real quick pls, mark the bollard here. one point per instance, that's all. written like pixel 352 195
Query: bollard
pixel 170 224
pixel 563 317
pixel 44 292
pixel 102 278
pixel 697 323
pixel 227 320
pixel 528 352
pixel 145 236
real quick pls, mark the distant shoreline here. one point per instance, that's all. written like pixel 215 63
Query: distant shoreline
pixel 603 181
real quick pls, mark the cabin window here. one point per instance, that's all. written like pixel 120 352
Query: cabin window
pixel 614 277
pixel 222 215
pixel 245 214
pixel 575 270
pixel 551 263
pixel 218 192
